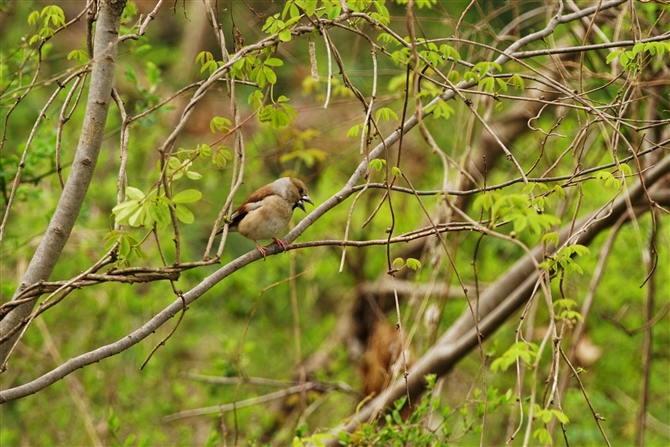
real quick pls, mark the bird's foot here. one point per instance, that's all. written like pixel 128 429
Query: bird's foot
pixel 281 243
pixel 260 249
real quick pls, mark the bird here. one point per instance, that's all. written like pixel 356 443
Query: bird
pixel 268 210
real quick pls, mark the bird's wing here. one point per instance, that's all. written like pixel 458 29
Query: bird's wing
pixel 252 203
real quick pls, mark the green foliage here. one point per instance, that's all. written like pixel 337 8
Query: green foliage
pixel 517 352
pixel 563 259
pixel 416 429
pixel 411 263
pixel 564 310
pixel 392 429
pixel 154 209
pixel 545 416
pixel 148 94
pixel 52 17
pixel 79 55
pixel 129 11
pixel 632 60
pixel 308 156
pixel 441 109
pixel 385 114
pixel 517 82
pixel 278 114
pixel 273 25
pixel 378 164
pixel 207 62
pixel 219 124
pixel 518 209
pixel 609 180
pixel 114 428
pixel 354 130
pixel 420 3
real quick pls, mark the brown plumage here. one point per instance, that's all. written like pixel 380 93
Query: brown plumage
pixel 267 212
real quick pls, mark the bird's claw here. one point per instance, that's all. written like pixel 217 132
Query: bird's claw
pixel 261 250
pixel 281 243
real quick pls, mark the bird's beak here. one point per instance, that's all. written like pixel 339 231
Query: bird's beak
pixel 301 203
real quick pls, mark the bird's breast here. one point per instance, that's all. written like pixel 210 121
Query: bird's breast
pixel 267 221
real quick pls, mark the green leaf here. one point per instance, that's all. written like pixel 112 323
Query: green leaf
pixel 353 130
pixel 559 191
pixel 153 73
pixel 565 303
pixel 54 14
pixel 255 99
pixel 563 419
pixel 187 196
pixel 624 60
pixel 613 55
pixel 483 202
pixel 413 263
pixel 550 238
pixel 450 52
pixel 204 150
pixel 174 163
pixel 270 75
pixel 273 62
pixel 501 84
pixel 377 164
pixel 398 263
pixel 333 8
pixel 131 74
pixel 259 75
pixel 78 55
pixel 289 110
pixel 625 169
pixel 440 110
pixel 285 35
pixel 160 214
pixel 136 219
pixel 543 435
pixel 385 113
pixel 396 171
pixel 221 156
pixel 193 175
pixel 124 209
pixel 520 221
pixel 33 18
pixel 134 193
pixel 487 83
pixel 580 250
pixel 184 214
pixel 203 57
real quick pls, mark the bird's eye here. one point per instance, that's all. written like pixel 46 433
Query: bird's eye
pixel 301 191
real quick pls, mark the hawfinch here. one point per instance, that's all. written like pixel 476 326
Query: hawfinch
pixel 267 212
